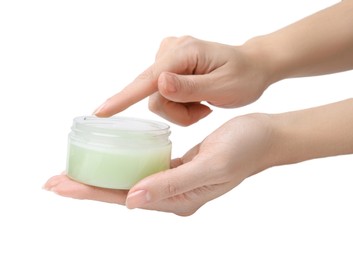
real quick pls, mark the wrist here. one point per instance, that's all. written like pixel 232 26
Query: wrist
pixel 312 133
pixel 262 52
pixel 268 145
pixel 295 138
pixel 304 49
pixel 286 146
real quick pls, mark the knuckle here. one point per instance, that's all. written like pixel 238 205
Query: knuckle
pixel 175 44
pixel 186 39
pixel 146 75
pixel 189 42
pixel 171 189
pixel 165 44
pixel 180 43
pixel 189 86
pixel 167 41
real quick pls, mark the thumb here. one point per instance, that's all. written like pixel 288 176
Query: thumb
pixel 165 184
pixel 184 88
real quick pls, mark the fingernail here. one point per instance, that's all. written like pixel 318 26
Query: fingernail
pixel 48 188
pixel 170 84
pixel 99 109
pixel 137 199
pixel 52 189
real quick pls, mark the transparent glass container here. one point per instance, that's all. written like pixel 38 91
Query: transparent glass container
pixel 116 152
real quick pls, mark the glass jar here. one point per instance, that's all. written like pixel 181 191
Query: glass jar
pixel 116 152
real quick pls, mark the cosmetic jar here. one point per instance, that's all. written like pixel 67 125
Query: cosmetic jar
pixel 116 152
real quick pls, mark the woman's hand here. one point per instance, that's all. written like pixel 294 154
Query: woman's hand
pixel 238 149
pixel 188 71
pixel 235 151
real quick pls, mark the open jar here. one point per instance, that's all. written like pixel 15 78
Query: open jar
pixel 116 152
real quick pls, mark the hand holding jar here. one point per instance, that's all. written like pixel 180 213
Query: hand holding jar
pixel 224 159
pixel 238 149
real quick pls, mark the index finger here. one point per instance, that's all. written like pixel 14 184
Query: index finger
pixel 143 86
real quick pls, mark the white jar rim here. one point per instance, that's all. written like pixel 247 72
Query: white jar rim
pixel 118 130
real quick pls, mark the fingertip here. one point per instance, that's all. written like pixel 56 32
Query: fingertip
pixel 194 113
pixel 108 109
pixel 98 110
pixel 162 185
pixel 52 182
pixel 205 111
pixel 137 199
pixel 104 111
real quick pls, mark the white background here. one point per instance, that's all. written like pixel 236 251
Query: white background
pixel 61 59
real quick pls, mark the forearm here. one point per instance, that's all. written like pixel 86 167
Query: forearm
pixel 319 44
pixel 313 133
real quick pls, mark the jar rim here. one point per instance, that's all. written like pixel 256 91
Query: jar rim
pixel 119 125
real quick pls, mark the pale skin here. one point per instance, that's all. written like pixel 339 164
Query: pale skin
pixel 188 71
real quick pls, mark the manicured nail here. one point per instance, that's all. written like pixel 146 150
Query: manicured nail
pixel 48 188
pixel 137 199
pixel 170 84
pixel 99 109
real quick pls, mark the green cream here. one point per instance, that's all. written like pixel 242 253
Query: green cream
pixel 116 160
pixel 115 168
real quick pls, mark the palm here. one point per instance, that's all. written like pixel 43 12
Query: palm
pixel 208 170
